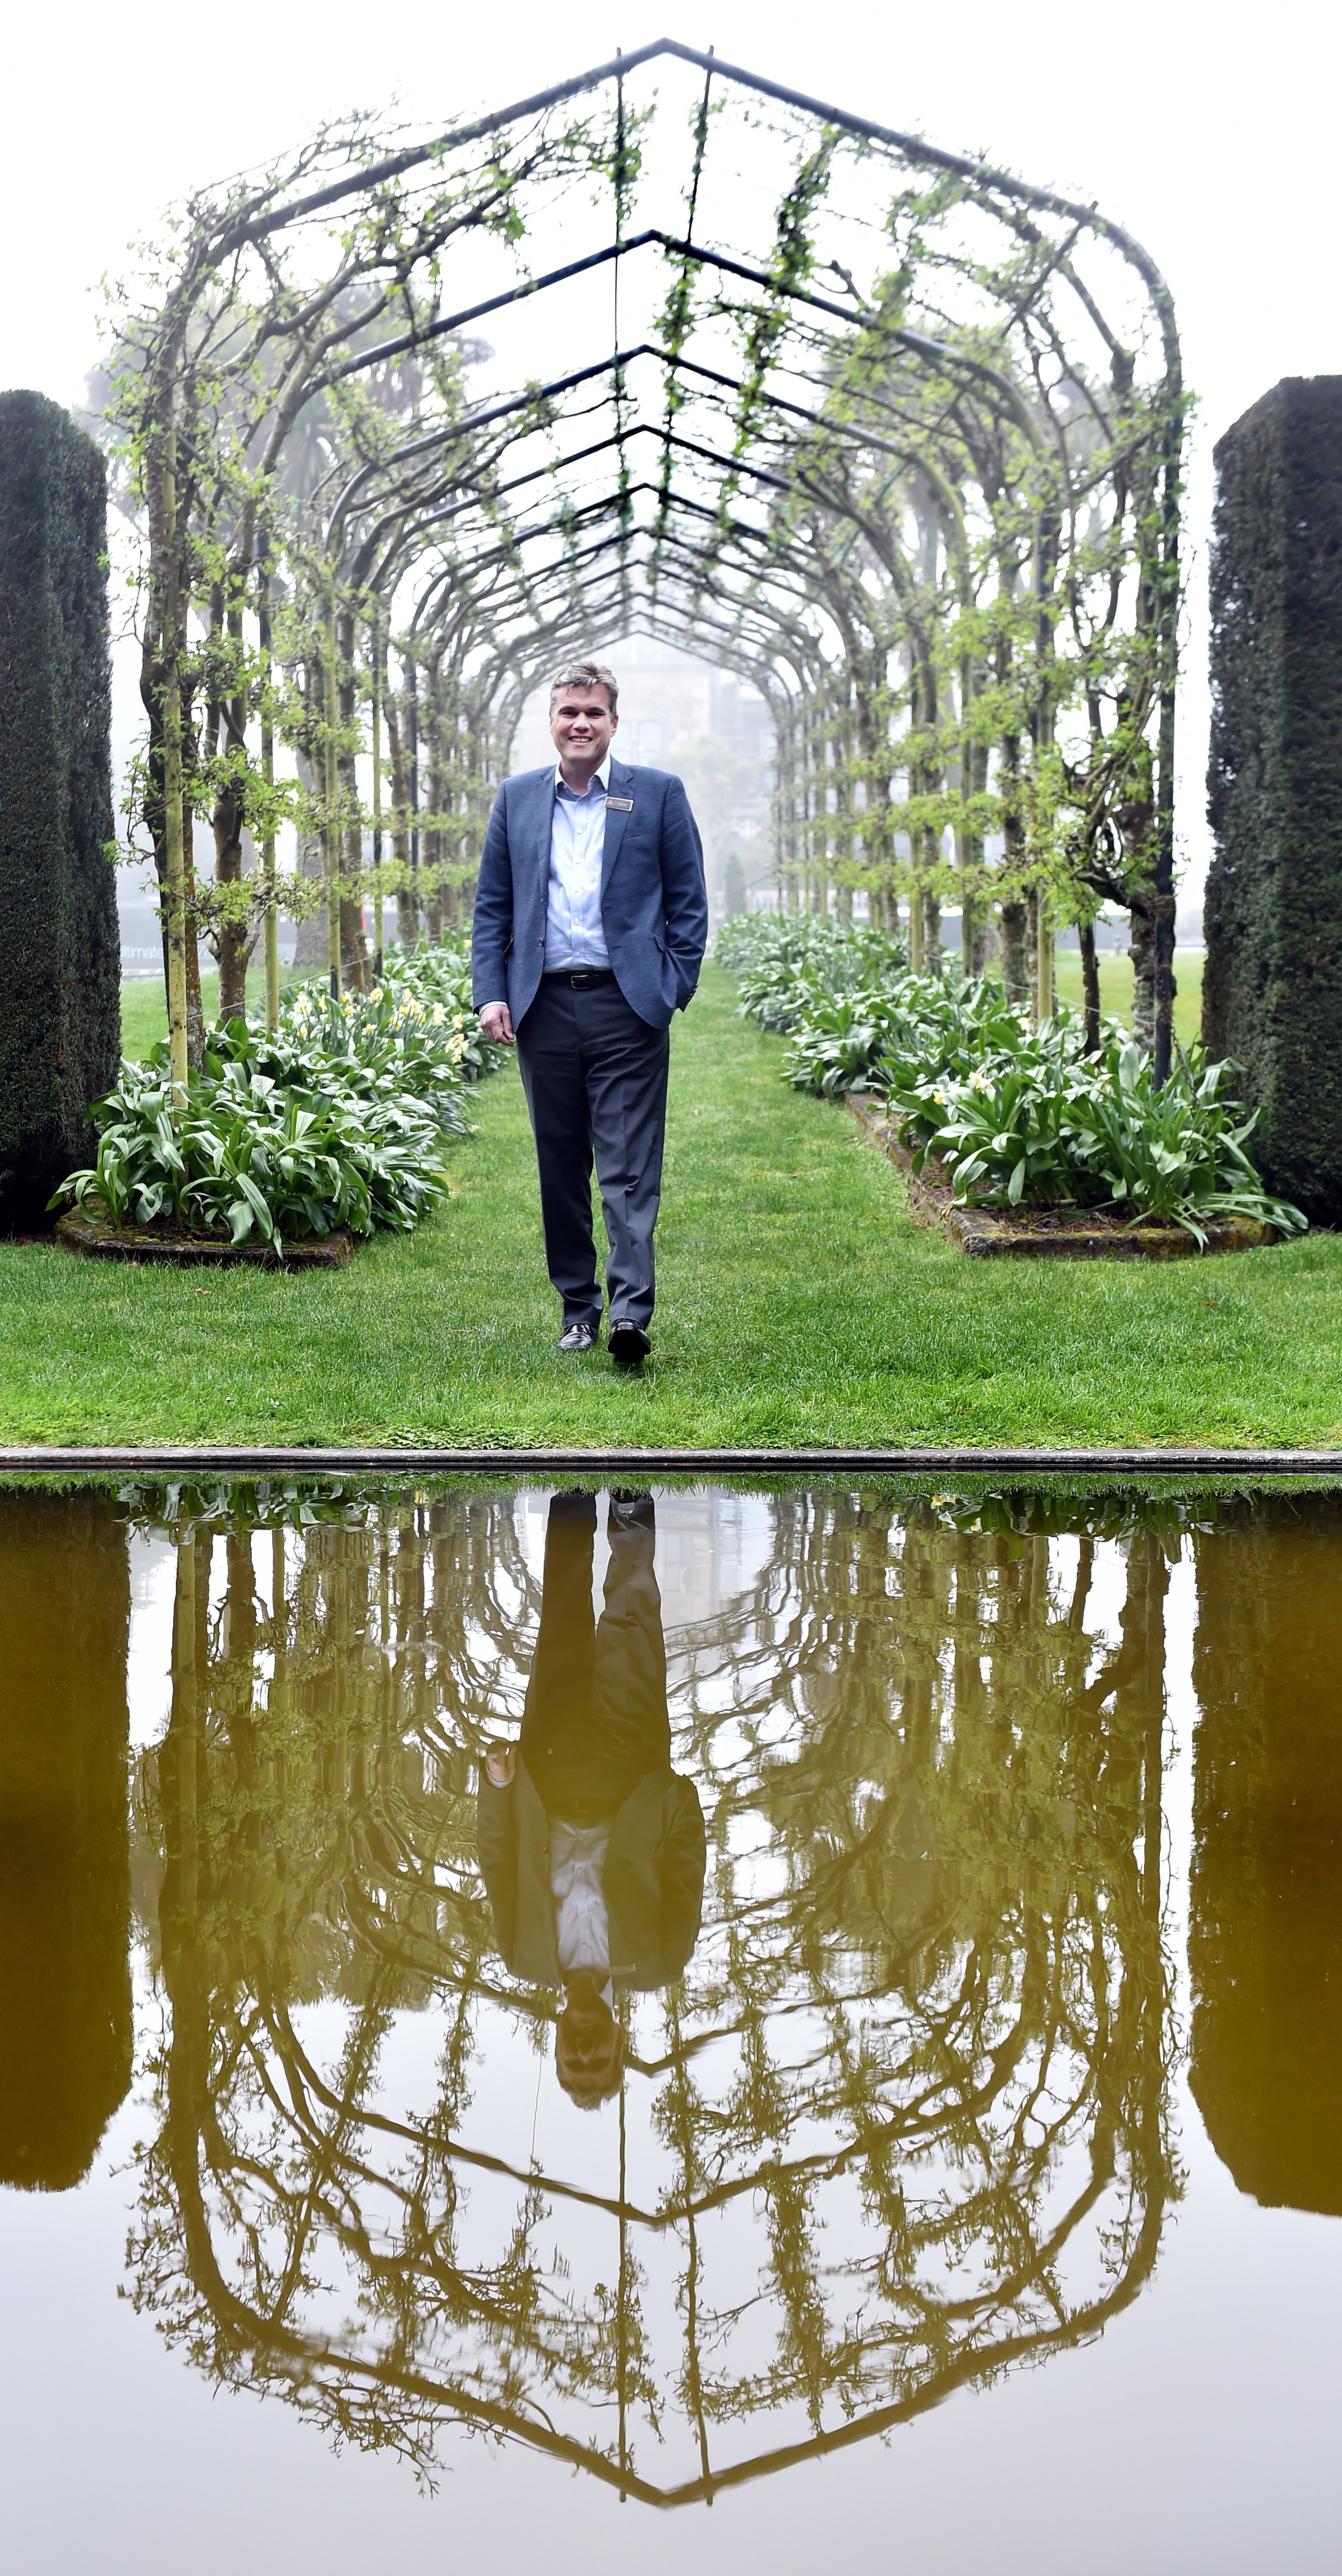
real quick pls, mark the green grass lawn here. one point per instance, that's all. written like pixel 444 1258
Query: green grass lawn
pixel 798 1305
pixel 1116 986
pixel 144 1016
pixel 144 1012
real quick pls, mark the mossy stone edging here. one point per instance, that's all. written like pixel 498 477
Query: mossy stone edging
pixel 1049 1234
pixel 109 1242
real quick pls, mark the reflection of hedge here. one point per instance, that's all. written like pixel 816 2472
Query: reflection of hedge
pixel 59 943
pixel 65 2004
pixel 1265 1945
pixel 1272 995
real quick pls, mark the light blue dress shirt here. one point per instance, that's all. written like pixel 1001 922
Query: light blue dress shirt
pixel 577 1874
pixel 573 933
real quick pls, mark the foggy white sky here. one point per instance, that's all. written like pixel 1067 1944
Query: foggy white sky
pixel 1211 132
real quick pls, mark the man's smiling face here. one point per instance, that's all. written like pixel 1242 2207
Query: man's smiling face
pixel 581 727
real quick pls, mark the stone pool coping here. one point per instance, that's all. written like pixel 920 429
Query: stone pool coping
pixel 217 1460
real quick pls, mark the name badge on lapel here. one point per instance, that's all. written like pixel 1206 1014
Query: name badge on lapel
pixel 619 804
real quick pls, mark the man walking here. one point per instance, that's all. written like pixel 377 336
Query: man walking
pixel 590 925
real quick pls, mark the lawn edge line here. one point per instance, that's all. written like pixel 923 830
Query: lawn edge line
pixel 974 1462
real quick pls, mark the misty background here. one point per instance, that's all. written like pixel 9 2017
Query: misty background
pixel 1209 133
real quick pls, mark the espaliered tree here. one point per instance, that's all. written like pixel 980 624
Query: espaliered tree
pixel 905 453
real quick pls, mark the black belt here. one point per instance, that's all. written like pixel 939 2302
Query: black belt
pixel 579 977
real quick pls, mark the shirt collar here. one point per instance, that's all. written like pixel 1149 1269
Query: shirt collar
pixel 603 773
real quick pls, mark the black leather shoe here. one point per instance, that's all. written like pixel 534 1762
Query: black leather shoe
pixel 627 1343
pixel 577 1337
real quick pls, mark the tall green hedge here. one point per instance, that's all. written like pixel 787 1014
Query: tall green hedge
pixel 1272 992
pixel 59 941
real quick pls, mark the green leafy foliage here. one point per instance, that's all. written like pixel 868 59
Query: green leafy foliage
pixel 1018 1117
pixel 251 1158
pixel 415 1032
pixel 337 1118
pixel 790 966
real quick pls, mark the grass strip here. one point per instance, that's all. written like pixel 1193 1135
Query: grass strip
pixel 798 1305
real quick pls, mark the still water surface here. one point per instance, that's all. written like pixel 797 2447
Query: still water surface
pixel 866 2075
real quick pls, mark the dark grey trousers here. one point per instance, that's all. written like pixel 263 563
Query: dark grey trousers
pixel 595 1720
pixel 594 1074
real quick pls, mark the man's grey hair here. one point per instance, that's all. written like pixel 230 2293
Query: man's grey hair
pixel 586 675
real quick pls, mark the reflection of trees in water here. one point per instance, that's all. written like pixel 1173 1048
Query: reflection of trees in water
pixel 65 1998
pixel 902 2124
pixel 1265 1943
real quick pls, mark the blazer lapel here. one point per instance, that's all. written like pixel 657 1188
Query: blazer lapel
pixel 545 807
pixel 621 784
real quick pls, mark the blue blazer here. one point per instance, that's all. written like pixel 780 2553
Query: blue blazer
pixel 654 911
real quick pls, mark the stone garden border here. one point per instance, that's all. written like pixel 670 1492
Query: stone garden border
pixel 108 1242
pixel 1056 1234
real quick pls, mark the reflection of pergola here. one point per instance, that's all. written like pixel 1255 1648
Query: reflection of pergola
pixel 889 432
pixel 920 2087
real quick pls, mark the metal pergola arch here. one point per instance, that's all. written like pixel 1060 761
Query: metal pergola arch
pixel 931 515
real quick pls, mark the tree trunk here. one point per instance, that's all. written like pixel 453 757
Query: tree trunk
pixel 195 1008
pixel 1015 957
pixel 232 935
pixel 352 968
pixel 933 959
pixel 1090 985
pixel 353 964
pixel 407 926
pixel 1041 916
pixel 311 947
pixel 1142 951
pixel 376 692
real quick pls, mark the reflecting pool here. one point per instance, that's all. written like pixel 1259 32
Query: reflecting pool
pixel 553 2022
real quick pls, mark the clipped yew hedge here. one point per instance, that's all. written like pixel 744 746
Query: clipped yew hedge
pixel 59 941
pixel 1272 991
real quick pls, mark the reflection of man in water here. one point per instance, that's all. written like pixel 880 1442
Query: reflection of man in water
pixel 592 1847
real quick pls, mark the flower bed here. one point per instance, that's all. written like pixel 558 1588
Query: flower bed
pixel 338 1118
pixel 1016 1117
